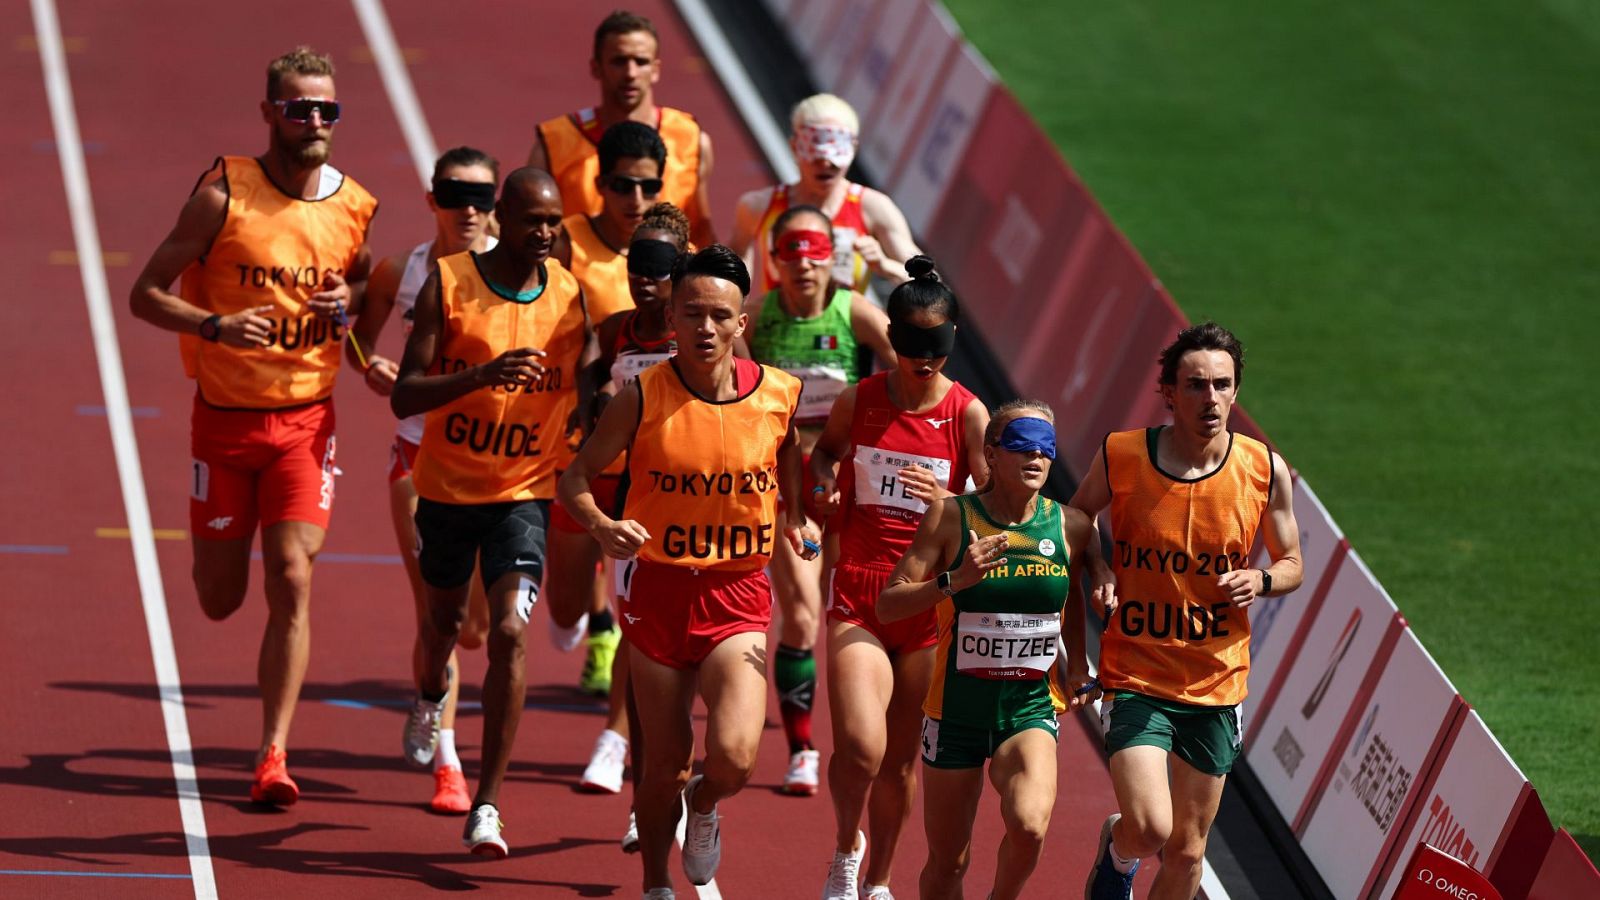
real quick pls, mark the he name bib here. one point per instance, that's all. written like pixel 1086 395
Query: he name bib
pixel 627 366
pixel 1007 646
pixel 878 477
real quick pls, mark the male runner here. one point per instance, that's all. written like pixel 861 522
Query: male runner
pixel 271 250
pixel 627 64
pixel 498 344
pixel 1187 500
pixel 462 201
pixel 632 158
pixel 870 234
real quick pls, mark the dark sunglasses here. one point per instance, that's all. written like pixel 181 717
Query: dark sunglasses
pixel 624 184
pixel 300 109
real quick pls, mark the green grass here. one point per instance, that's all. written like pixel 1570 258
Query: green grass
pixel 1397 207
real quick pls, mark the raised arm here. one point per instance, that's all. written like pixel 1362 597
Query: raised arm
pixel 870 325
pixel 380 371
pixel 190 239
pixel 746 221
pixel 830 448
pixel 912 588
pixel 417 392
pixel 1077 532
pixel 1092 496
pixel 620 539
pixel 801 536
pixel 1282 535
pixel 890 244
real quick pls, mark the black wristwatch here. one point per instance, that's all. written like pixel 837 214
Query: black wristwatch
pixel 945 586
pixel 1266 582
pixel 211 328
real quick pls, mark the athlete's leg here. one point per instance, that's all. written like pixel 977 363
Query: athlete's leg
pixel 570 575
pixel 949 803
pixel 1139 777
pixel 504 684
pixel 288 550
pixel 403 512
pixel 616 700
pixel 733 681
pixel 664 697
pixel 893 790
pixel 1195 796
pixel 860 682
pixel 797 585
pixel 1024 774
pixel 221 574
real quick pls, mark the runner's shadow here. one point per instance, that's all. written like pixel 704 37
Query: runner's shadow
pixel 284 850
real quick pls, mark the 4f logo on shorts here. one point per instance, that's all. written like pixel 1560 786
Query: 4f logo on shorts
pixel 220 523
pixel 325 501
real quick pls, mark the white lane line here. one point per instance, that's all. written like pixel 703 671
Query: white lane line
pixel 397 82
pixel 769 133
pixel 103 329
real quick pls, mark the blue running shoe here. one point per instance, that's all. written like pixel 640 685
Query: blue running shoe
pixel 1105 882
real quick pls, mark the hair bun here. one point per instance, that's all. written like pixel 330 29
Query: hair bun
pixel 921 268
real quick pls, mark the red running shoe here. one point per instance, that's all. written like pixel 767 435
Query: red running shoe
pixel 273 784
pixel 450 791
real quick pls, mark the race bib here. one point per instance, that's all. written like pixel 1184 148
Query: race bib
pixel 848 266
pixel 878 478
pixel 626 367
pixel 1018 646
pixel 819 387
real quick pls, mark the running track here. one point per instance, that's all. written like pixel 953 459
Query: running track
pixel 86 775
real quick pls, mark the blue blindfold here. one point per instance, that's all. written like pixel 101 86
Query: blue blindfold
pixel 1026 435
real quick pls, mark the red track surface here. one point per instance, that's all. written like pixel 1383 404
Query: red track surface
pixel 161 88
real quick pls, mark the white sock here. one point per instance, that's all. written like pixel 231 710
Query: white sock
pixel 1117 862
pixel 445 756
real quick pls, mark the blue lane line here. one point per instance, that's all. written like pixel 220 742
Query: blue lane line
pixel 91 874
pixel 38 549
pixel 139 412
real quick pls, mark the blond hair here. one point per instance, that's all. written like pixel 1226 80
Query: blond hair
pixel 1016 409
pixel 824 107
pixel 302 60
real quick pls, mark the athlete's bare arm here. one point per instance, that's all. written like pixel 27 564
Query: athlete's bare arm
pixel 1092 496
pixel 704 233
pixel 830 448
pixel 888 243
pixel 591 375
pixel 538 156
pixel 347 291
pixel 912 588
pixel 974 422
pixel 151 300
pixel 612 434
pixel 417 392
pixel 1282 534
pixel 380 371
pixel 608 332
pixel 1076 532
pixel 801 536
pixel 746 219
pixel 870 325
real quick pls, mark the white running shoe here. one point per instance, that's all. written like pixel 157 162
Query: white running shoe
pixel 630 838
pixel 604 774
pixel 702 839
pixel 877 892
pixel 801 779
pixel 660 894
pixel 567 639
pixel 421 737
pixel 843 872
pixel 482 834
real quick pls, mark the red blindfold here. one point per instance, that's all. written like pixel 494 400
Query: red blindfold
pixel 796 245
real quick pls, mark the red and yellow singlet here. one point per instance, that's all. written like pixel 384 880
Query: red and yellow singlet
pixel 704 474
pixel 273 249
pixel 849 269
pixel 1174 634
pixel 496 443
pixel 571 149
